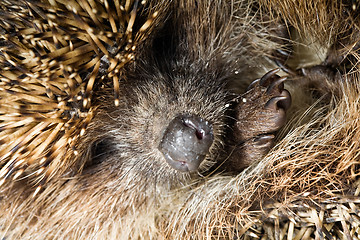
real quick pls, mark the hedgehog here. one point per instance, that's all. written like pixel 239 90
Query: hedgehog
pixel 122 122
pixel 69 127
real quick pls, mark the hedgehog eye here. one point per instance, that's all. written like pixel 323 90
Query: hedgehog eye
pixel 99 152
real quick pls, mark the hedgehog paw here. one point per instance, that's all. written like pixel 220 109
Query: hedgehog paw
pixel 261 112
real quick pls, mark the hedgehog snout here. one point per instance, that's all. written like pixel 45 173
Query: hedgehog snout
pixel 186 141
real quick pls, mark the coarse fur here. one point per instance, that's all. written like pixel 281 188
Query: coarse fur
pixel 123 189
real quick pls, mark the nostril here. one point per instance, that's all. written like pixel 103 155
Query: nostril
pixel 200 134
pixel 186 141
pixel 202 128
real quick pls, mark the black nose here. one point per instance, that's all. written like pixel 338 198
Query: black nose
pixel 186 142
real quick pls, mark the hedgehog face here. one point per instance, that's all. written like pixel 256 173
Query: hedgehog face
pixel 165 128
pixel 186 122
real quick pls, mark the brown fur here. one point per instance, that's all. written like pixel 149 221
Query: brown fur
pixel 123 190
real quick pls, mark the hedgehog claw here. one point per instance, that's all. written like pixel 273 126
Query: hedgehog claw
pixel 264 81
pixel 285 68
pixel 273 103
pixel 283 53
pixel 252 84
pixel 277 83
pixel 285 103
pixel 265 139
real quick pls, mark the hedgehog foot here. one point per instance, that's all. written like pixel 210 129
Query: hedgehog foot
pixel 261 111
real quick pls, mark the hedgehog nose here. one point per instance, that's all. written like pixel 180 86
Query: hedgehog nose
pixel 186 142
